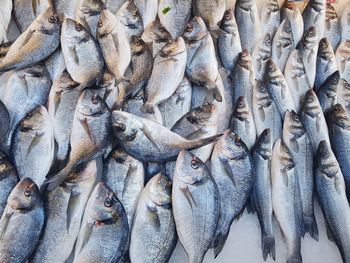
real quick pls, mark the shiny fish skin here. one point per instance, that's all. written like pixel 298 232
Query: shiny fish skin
pixel 342 56
pixel 286 200
pixel 104 232
pixel 114 5
pixel 33 146
pixel 154 237
pixel 270 17
pixel 331 193
pixel 299 145
pixel 345 23
pixel 4 120
pixel 260 56
pixel 35 44
pixel 5 14
pixel 229 44
pixel 232 170
pixel 262 192
pixel 332 26
pixel 343 94
pixel 55 64
pixel 327 93
pixel 64 208
pixel 314 15
pixel 292 12
pixel 194 191
pixel 148 10
pixel 20 231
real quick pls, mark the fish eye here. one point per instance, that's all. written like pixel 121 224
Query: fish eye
pixel 295 117
pixel 27 192
pixel 120 127
pixel 189 28
pixel 227 16
pixel 94 99
pixel 138 42
pixel 162 29
pixel 262 89
pixel 51 19
pixel 107 202
pixel 134 13
pixel 100 23
pixel 238 141
pixel 194 164
pixel 78 27
pixel 337 108
pixel 288 29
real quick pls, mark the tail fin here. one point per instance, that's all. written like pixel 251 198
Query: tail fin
pixel 310 226
pixel 147 108
pixel 58 179
pixel 268 246
pixel 219 244
pixel 202 142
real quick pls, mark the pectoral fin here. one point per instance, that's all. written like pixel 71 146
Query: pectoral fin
pixel 188 195
pixel 148 134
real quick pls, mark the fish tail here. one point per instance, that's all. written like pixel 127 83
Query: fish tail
pixel 199 143
pixel 268 246
pixel 147 107
pixel 58 179
pixel 219 244
pixel 310 226
pixel 295 258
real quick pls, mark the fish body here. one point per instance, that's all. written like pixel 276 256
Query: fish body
pixel 327 93
pixel 344 23
pixel 343 94
pixel 55 64
pixel 148 10
pixel 332 26
pixel 292 12
pixel 260 56
pixel 342 56
pixel 314 15
pixel 270 18
pixel 88 14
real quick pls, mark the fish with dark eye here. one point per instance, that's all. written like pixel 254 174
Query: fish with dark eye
pixel 343 94
pixel 260 56
pixel 130 20
pixel 88 13
pixel 90 134
pixel 342 56
pixel 291 11
pixel 327 93
pixel 270 17
pixel 35 44
pixel 104 231
pixel 194 191
pixel 21 222
pixel 314 15
pixel 332 26
pixel 153 236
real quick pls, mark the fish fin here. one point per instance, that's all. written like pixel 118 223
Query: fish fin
pixel 318 120
pixel 329 231
pixel 336 186
pixel 283 91
pixel 294 145
pixel 5 221
pixel 147 107
pixel 126 179
pixel 259 65
pixel 217 94
pixel 239 214
pixel 262 114
pixel 342 65
pixel 219 244
pixel 228 170
pixel 5 120
pixel 84 233
pixel 268 246
pixel 188 195
pixel 252 17
pixel 295 258
pixel 34 7
pixel 71 201
pixel 86 128
pixel 35 141
pixel 56 180
pixel 73 53
pixel 279 51
pixel 148 134
pixel 201 142
pixel 217 32
pixel 310 226
pixel 154 215
pixel 28 36
pixel 284 175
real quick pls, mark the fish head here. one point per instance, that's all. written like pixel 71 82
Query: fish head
pixel 75 32
pixel 130 16
pixel 195 30
pixel 160 190
pixel 48 21
pixel 273 73
pixel 25 196
pixel 331 84
pixel 106 23
pixel 261 95
pixel 311 105
pixel 286 27
pixel 344 49
pixel 232 146
pixel 339 116
pixel 4 48
pixel 344 87
pixel 64 83
pixel 244 59
pixel 285 157
pixel 201 115
pixel 138 46
pixel 5 164
pixel 318 5
pixel 326 161
pixel 325 50
pixel 125 125
pixel 91 7
pixel 34 121
pixel 267 42
pixel 104 207
pixel 157 32
pixel 173 48
pixel 245 4
pixel 293 124
pixel 228 23
pixel 107 80
pixel 190 169
pixel 264 144
pixel 34 75
pixel 241 110
pixel 91 104
pixel 331 14
pixel 273 5
pixel 310 38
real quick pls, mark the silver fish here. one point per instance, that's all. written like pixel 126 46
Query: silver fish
pixel 282 44
pixel 153 236
pixel 342 56
pixel 81 53
pixel 314 15
pixel 149 141
pixel 64 208
pixel 327 93
pixel 270 17
pixel 229 44
pixel 4 120
pixel 20 231
pixel 104 231
pixel 232 170
pixel 194 191
pixel 292 12
pixel 343 94
pixel 88 13
pixel 344 23
pixel 35 44
pixel 300 148
pixel 171 62
pixel 326 63
pixel 260 56
pixel 332 26
pixel 248 23
pixel 330 189
pixel 90 134
pixel 262 192
pixel 286 199
pixel 148 10
pixel 174 15
pixel 5 12
pixel 114 5
pixel 66 8
pixel 130 20
pixel 55 64
pixel 33 146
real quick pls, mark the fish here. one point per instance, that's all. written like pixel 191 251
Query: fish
pixel 30 85
pixel 326 63
pixel 342 56
pixel 211 11
pixel 84 61
pixel 8 179
pixel 248 22
pixel 330 188
pixel 174 16
pixel 4 120
pixel 296 77
pixel 261 54
pixel 344 23
pixel 104 231
pixel 6 12
pixel 232 171
pixel 308 48
pixel 338 121
pixel 4 49
pixel 20 231
pixel 261 198
pixel 64 208
pixel 229 44
pixel 243 78
pixel 62 101
pixel 170 61
pixel 327 93
pixel 36 43
pixel 200 45
pixel 194 191
pixel 286 201
pixel 108 92
pixel 265 112
pixel 25 12
pixel 343 93
pixel 156 36
pixel 149 141
pixel 282 44
pixel 270 18
pixel 242 122
pixel 291 11
pixel 66 8
pixel 297 141
pixel 178 104
pixel 148 10
pixel 314 15
pixel 90 134
pixel 332 26
pixel 33 146
pixel 55 64
pixel 114 5
pixel 313 120
pixel 278 89
pixel 153 236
